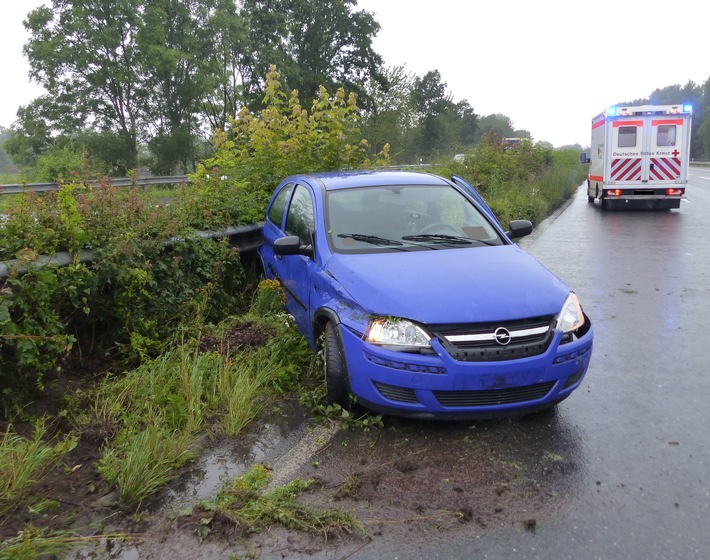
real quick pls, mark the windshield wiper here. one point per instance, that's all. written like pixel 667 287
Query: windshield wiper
pixel 373 239
pixel 439 238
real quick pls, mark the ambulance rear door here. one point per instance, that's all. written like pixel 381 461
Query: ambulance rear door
pixel 666 147
pixel 626 164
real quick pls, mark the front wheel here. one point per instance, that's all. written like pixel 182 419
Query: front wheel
pixel 337 383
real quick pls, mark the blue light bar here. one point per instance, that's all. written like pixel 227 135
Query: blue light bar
pixel 687 108
pixel 611 111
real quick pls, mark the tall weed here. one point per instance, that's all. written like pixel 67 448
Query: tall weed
pixel 171 397
pixel 25 461
pixel 141 460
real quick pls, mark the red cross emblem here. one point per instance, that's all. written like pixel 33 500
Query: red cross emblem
pixel 675 153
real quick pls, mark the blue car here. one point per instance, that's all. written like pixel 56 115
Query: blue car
pixel 418 298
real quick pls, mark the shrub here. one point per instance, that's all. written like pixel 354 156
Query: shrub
pixel 258 151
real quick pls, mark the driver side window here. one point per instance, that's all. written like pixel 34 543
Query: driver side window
pixel 300 220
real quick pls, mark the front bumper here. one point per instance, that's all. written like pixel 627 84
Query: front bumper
pixel 437 386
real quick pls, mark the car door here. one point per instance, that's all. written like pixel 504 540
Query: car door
pixel 295 271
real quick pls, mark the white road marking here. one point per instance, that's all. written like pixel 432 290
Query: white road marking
pixel 287 465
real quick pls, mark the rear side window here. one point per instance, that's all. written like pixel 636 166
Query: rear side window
pixel 627 137
pixel 276 212
pixel 666 135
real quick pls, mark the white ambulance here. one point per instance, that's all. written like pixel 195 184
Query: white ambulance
pixel 639 156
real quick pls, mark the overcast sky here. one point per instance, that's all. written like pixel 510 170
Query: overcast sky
pixel 549 65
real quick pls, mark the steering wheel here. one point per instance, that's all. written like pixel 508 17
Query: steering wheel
pixel 439 227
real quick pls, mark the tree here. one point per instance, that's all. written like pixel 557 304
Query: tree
pixel 175 45
pixel 501 125
pixel 84 53
pixel 389 117
pixel 5 161
pixel 31 134
pixel 313 44
pixel 167 72
pixel 677 95
pixel 433 106
pixel 227 89
pixel 468 124
pixel 701 145
pixel 443 126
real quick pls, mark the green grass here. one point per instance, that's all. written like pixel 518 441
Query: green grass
pixel 516 188
pixel 25 461
pixel 157 409
pixel 252 506
pixel 11 178
pixel 34 542
pixel 140 461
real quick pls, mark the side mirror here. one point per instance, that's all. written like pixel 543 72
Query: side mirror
pixel 519 228
pixel 291 245
pixel 584 158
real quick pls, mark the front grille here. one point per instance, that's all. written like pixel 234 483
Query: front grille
pixel 493 396
pixel 399 394
pixel 477 342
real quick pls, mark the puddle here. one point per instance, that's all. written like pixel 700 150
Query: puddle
pixel 229 458
pixel 220 462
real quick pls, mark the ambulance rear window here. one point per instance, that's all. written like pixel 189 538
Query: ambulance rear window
pixel 627 137
pixel 666 135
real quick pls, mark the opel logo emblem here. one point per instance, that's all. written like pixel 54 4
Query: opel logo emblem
pixel 502 336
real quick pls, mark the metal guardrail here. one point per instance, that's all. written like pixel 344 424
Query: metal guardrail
pixel 17 188
pixel 243 238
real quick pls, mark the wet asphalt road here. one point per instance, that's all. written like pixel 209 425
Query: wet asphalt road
pixel 637 433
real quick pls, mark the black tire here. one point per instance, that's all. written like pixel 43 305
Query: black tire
pixel 337 383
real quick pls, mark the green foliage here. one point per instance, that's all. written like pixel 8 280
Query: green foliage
pixel 34 542
pixel 25 461
pixel 312 396
pixel 6 165
pixel 33 321
pixel 226 376
pixel 149 273
pixel 269 299
pixel 155 69
pixel 140 461
pixel 284 139
pixel 252 506
pixel 527 182
pixel 57 164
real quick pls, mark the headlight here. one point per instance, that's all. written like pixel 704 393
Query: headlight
pixel 396 334
pixel 571 317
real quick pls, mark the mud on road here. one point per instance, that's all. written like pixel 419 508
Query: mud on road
pixel 408 482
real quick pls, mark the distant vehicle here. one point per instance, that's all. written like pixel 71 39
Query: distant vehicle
pixel 639 156
pixel 512 143
pixel 420 301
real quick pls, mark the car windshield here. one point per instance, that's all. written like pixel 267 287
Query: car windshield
pixel 396 218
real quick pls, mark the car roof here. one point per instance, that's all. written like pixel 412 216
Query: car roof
pixel 347 179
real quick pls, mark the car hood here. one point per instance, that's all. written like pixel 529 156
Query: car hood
pixel 477 284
